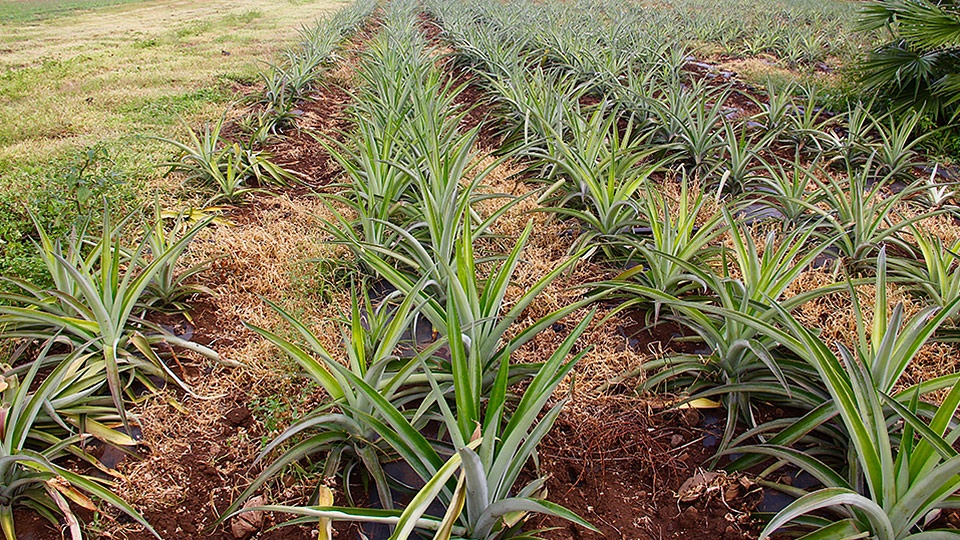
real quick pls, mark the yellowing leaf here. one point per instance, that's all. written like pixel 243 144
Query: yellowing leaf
pixel 700 403
pixel 629 273
pixel 455 508
pixel 325 526
pixel 61 485
pixel 106 434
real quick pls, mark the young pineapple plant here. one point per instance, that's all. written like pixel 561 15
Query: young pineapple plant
pixel 45 420
pixel 894 466
pixel 93 305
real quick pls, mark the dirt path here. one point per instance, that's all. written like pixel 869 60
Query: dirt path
pixel 196 461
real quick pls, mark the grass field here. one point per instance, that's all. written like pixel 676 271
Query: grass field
pixel 110 77
pixel 97 75
pixel 22 11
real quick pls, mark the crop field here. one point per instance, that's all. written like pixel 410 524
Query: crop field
pixel 479 269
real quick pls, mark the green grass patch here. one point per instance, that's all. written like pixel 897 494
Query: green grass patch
pixel 61 195
pixel 146 43
pixel 194 29
pixel 83 96
pixel 33 10
pixel 238 19
pixel 21 83
pixel 165 110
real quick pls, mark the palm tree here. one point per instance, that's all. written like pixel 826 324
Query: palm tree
pixel 920 65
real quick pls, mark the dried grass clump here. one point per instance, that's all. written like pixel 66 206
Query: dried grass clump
pixel 833 316
pixel 268 254
pixel 173 436
pixel 262 255
pixel 932 361
pixel 943 226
